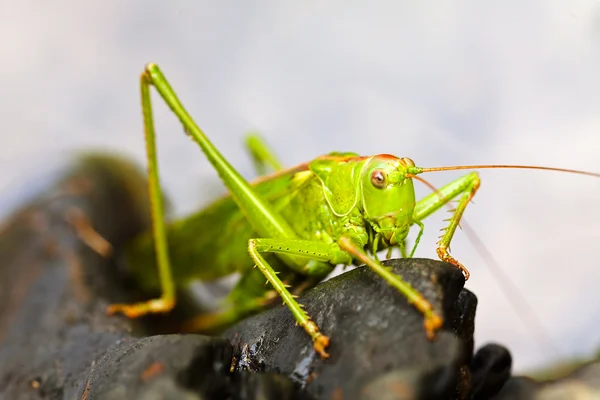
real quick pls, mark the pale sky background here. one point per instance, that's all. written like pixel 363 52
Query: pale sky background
pixel 464 82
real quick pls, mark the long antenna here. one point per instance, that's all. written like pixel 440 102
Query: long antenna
pixel 495 166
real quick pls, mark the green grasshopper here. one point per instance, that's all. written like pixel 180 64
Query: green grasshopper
pixel 297 224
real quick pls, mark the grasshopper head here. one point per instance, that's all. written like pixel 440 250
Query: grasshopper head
pixel 388 195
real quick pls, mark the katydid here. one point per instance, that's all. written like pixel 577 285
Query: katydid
pixel 295 225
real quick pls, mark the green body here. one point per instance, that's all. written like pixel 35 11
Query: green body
pixel 297 194
pixel 294 225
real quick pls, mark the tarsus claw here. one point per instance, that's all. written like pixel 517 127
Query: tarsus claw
pixel 321 343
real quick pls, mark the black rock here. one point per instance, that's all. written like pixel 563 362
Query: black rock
pixel 490 369
pixel 377 337
pixel 259 386
pixel 163 366
pixel 54 287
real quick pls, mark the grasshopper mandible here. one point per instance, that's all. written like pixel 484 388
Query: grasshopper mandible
pixel 296 224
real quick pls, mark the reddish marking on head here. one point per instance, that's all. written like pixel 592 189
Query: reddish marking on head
pixel 342 158
pixel 387 157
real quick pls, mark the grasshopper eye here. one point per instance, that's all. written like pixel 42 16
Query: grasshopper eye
pixel 379 179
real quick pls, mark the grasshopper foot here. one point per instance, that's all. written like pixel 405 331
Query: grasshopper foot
pixel 321 342
pixel 432 323
pixel 443 254
pixel 136 310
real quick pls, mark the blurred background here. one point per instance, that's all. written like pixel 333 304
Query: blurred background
pixel 444 84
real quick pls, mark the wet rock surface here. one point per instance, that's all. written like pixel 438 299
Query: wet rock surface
pixel 377 337
pixel 57 276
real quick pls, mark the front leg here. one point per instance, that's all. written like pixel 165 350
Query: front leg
pixel 334 253
pixel 467 186
pixel 432 320
pixel 318 252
